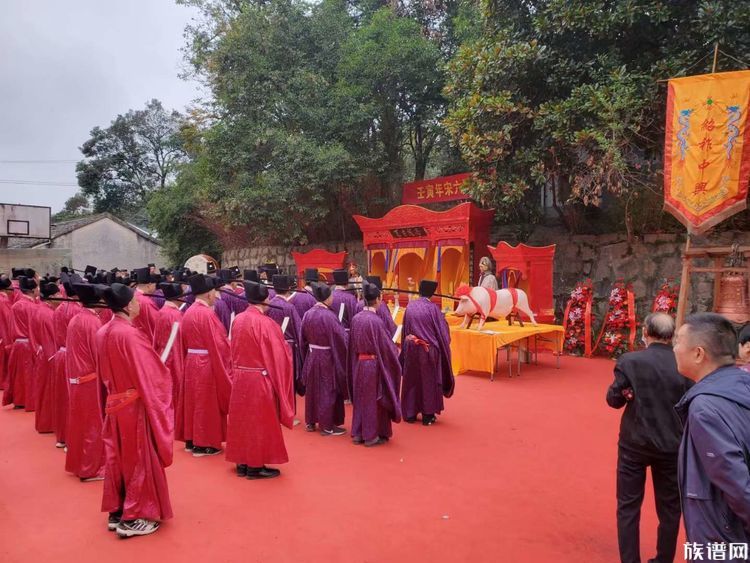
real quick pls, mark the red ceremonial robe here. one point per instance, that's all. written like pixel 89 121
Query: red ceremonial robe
pixel 262 391
pixel 146 319
pixel 168 315
pixel 43 326
pixel 85 457
pixel 6 336
pixel 206 385
pixel 20 388
pixel 138 427
pixel 62 317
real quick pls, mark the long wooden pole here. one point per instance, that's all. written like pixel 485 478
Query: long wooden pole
pixel 716 57
pixel 684 284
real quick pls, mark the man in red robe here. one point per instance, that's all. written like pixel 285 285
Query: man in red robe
pixel 138 427
pixel 62 317
pixel 206 384
pixel 262 390
pixel 21 370
pixel 43 326
pixel 85 451
pixel 6 327
pixel 168 316
pixel 145 286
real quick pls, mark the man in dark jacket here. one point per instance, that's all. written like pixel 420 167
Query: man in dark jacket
pixel 648 385
pixel 714 468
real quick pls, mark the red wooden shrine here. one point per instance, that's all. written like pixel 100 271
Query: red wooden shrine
pixel 528 268
pixel 411 243
pixel 323 260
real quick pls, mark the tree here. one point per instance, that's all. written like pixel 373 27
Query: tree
pixel 317 110
pixel 563 96
pixel 75 206
pixel 124 163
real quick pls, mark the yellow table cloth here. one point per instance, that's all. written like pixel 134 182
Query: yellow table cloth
pixel 472 350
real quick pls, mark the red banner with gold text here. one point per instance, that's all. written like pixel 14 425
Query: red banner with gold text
pixel 444 188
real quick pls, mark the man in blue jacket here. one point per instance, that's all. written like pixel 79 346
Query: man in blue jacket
pixel 714 463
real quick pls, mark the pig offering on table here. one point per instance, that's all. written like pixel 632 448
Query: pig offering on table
pixel 487 303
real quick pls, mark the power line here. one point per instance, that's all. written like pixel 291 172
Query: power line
pixel 38 183
pixel 37 161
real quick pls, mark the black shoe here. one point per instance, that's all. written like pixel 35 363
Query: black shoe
pixel 114 520
pixel 201 452
pixel 16 407
pixel 241 470
pixel 189 446
pixel 262 472
pixel 376 442
pixel 410 419
pixel 310 427
pixel 357 440
pixel 428 419
pixel 335 431
pixel 139 527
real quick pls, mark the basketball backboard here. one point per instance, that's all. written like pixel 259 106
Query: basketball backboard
pixel 25 221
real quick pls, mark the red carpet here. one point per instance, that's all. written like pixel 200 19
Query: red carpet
pixel 519 470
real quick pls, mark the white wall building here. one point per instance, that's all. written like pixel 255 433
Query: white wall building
pixel 101 240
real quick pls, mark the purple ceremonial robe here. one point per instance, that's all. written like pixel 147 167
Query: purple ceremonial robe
pixel 188 298
pixel 235 300
pixel 159 301
pixel 350 305
pixel 384 313
pixel 303 301
pixel 374 365
pixel 324 372
pixel 425 359
pixel 223 312
pixel 292 335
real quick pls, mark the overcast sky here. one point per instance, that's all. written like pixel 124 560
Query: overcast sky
pixel 67 66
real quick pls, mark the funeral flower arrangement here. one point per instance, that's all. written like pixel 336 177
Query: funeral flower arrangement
pixel 666 298
pixel 577 321
pixel 618 331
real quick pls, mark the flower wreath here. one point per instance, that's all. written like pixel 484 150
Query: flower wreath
pixel 577 321
pixel 666 298
pixel 619 328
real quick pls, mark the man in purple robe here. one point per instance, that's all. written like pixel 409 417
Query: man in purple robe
pixel 342 295
pixel 425 358
pixel 253 276
pixel 282 309
pixel 303 301
pixel 232 292
pixel 374 365
pixel 383 311
pixel 222 309
pixel 324 373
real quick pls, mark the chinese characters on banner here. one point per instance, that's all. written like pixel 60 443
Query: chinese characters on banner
pixel 707 148
pixel 444 188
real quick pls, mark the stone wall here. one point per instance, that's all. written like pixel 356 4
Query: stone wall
pixel 645 263
pixel 250 258
pixel 43 260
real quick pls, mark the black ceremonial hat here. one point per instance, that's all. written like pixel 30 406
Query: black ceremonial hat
pixel 142 275
pixel 255 292
pixel 90 270
pixel 321 291
pixel 282 283
pixel 117 296
pixel 251 275
pixel 49 289
pixel 86 292
pixel 311 275
pixel 375 280
pixel 171 290
pixel 26 283
pixel 200 284
pixel 340 277
pixel 5 282
pixel 370 291
pixel 427 288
